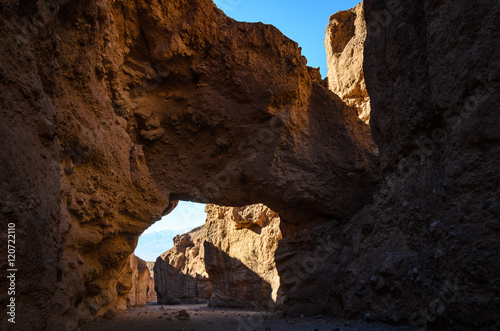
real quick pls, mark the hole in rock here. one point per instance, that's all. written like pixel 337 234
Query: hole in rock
pixel 240 278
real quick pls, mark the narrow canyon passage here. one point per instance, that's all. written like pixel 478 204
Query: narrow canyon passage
pixel 385 175
pixel 199 317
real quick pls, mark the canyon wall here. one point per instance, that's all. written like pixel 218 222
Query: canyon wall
pixel 113 110
pixel 424 253
pixel 180 274
pixel 151 296
pixel 239 247
pixel 136 281
pixel 344 42
pixel 308 256
pixel 426 250
pixel 229 261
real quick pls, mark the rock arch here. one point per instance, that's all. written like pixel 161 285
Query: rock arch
pixel 137 105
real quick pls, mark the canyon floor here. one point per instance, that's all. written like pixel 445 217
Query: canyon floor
pixel 201 317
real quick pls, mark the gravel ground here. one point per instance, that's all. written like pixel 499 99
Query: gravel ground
pixel 203 318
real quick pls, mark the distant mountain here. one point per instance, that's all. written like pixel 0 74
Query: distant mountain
pixel 151 245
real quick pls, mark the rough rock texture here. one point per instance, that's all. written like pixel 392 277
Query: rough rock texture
pixel 180 275
pixel 229 260
pixel 139 276
pixel 236 112
pixel 426 251
pixel 239 247
pixel 113 110
pixel 307 260
pixel 151 296
pixel 119 108
pixel 344 43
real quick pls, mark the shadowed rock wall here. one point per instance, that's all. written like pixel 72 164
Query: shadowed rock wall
pixel 113 110
pixel 180 272
pixel 425 251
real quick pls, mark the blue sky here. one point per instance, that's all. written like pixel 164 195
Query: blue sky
pixel 302 21
pixel 186 215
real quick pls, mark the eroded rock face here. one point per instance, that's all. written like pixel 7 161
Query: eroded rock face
pixel 151 297
pixel 344 43
pixel 412 257
pixel 426 253
pixel 139 277
pixel 180 274
pixel 307 260
pixel 240 250
pixel 229 260
pixel 111 111
pixel 211 79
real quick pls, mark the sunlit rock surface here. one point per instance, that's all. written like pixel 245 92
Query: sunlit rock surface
pixel 239 255
pixel 344 43
pixel 229 261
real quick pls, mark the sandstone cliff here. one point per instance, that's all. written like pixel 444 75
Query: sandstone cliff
pixel 180 274
pixel 151 296
pixel 344 43
pixel 239 256
pixel 229 260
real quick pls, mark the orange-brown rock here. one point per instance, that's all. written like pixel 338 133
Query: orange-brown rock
pixel 240 246
pixel 344 43
pixel 209 81
pixel 229 260
pixel 151 296
pixel 180 274
pixel 138 290
pixel 113 110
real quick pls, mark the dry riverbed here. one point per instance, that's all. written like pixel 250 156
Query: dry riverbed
pixel 202 318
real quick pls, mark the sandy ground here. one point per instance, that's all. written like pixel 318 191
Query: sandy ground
pixel 203 318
